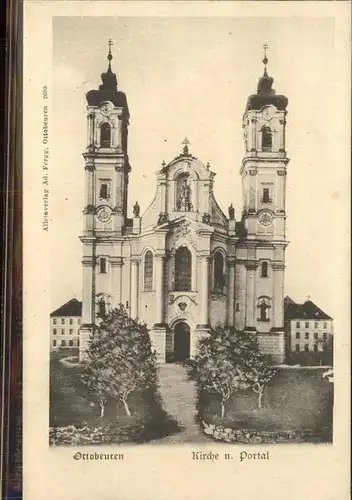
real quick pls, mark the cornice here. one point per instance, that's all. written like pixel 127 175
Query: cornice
pixel 255 160
pixel 116 261
pixel 257 243
pixel 88 261
pixel 251 265
pixel 279 266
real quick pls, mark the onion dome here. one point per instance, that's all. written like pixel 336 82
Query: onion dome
pixel 265 93
pixel 108 90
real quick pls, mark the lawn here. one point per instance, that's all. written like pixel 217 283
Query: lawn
pixel 298 399
pixel 71 405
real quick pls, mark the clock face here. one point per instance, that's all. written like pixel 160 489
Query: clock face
pixel 265 218
pixel 104 214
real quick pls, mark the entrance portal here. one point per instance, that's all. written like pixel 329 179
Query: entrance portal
pixel 182 341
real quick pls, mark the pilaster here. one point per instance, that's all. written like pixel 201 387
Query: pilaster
pixel 159 289
pixel 231 292
pixel 158 341
pixel 116 264
pixel 88 287
pixel 134 288
pixel 250 294
pixel 278 299
pixel 203 290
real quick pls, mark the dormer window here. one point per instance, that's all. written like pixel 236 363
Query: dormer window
pixel 105 135
pixel 267 139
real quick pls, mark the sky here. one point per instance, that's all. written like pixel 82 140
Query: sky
pixel 191 77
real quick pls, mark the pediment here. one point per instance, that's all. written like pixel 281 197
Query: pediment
pixel 189 164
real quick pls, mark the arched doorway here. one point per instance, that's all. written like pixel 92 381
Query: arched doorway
pixel 182 341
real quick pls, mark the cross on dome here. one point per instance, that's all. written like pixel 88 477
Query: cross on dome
pixel 110 44
pixel 265 59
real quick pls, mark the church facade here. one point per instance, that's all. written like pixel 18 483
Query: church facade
pixel 183 266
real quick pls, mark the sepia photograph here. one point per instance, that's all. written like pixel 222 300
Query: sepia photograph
pixel 191 179
pixel 186 305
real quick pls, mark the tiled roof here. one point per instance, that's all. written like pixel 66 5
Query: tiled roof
pixel 288 300
pixel 308 310
pixel 72 308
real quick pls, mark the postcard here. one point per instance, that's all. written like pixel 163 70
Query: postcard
pixel 186 306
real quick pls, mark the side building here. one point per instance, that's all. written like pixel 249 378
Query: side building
pixel 65 323
pixel 309 333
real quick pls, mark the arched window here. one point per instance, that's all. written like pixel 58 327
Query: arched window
pixel 219 275
pixel 267 139
pixel 183 194
pixel 148 271
pixel 105 135
pixel 183 269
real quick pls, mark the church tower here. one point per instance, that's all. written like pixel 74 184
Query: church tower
pixel 261 253
pixel 106 183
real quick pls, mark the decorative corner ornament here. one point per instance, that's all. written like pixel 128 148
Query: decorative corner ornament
pixel 118 209
pixel 265 218
pixel 182 306
pixel 89 209
pixel 104 110
pixel 268 113
pixel 206 218
pixel 163 218
pixel 183 230
pixel 104 214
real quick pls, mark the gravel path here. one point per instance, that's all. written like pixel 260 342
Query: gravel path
pixel 179 401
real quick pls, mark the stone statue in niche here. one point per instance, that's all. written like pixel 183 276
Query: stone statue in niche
pixel 263 311
pixel 183 203
pixel 136 209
